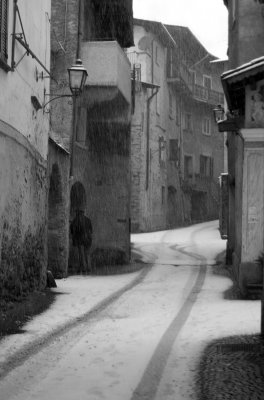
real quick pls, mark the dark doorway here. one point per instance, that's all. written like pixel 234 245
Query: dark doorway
pixel 199 206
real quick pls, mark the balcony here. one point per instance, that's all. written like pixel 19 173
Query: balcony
pixel 203 94
pixel 179 76
pixel 108 72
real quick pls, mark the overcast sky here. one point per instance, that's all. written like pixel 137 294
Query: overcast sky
pixel 207 19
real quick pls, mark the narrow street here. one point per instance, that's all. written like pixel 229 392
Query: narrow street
pixel 147 342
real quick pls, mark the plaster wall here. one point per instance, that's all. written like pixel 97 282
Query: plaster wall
pixel 246 31
pixel 23 197
pixel 19 85
pixel 107 187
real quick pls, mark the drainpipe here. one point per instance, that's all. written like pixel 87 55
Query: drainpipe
pixel 148 136
pixel 148 115
pixel 80 29
pixel 74 108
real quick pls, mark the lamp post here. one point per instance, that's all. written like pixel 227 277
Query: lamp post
pixel 77 79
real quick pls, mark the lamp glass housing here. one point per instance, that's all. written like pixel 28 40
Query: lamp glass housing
pixel 77 77
pixel 219 113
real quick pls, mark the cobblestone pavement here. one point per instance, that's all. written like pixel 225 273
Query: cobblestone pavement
pixel 233 368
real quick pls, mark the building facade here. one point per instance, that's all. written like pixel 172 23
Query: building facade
pixel 24 129
pixel 177 153
pixel 243 84
pixel 95 129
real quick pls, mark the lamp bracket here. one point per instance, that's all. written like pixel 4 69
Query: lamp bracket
pixel 55 97
pixel 20 37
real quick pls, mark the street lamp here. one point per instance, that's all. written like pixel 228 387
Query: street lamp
pixel 77 78
pixel 219 113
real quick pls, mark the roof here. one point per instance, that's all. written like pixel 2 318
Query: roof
pixel 158 29
pixel 58 143
pixel 250 69
pixel 184 37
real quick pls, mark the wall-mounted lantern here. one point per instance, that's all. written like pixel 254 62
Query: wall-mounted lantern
pixel 77 78
pixel 219 113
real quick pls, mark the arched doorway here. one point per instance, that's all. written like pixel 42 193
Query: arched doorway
pixel 78 199
pixel 77 202
pixel 57 247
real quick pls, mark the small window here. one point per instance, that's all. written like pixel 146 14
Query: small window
pixel 206 126
pixel 188 167
pixel 193 77
pixel 162 150
pixel 173 149
pixel 206 166
pixel 188 122
pixel 207 82
pixel 3 30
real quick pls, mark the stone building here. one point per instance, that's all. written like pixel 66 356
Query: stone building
pixel 91 135
pixel 177 153
pixel 23 145
pixel 243 84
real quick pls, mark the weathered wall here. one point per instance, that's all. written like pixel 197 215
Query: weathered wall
pixel 105 176
pixel 246 31
pixel 58 210
pixel 23 156
pixel 22 215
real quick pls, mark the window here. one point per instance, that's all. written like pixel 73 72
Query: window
pixel 206 126
pixel 193 77
pixel 162 150
pixel 206 166
pixel 173 149
pixel 3 30
pixel 207 82
pixel 188 167
pixel 188 122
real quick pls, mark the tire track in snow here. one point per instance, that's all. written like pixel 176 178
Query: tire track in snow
pixel 148 386
pixel 37 345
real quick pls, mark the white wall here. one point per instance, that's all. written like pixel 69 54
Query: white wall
pixel 17 87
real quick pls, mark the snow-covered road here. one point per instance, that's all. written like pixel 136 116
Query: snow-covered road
pixel 146 344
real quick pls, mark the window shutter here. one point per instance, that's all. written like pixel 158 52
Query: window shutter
pixel 3 28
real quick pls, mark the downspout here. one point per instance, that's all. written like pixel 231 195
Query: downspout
pixel 80 33
pixel 148 115
pixel 74 108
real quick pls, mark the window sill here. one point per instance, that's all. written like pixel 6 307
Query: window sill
pixel 4 65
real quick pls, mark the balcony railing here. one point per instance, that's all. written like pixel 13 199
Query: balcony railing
pixel 207 95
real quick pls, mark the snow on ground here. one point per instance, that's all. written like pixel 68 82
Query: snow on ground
pixel 75 296
pixel 110 357
pixel 171 247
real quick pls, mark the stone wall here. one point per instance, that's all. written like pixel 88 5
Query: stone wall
pixel 23 198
